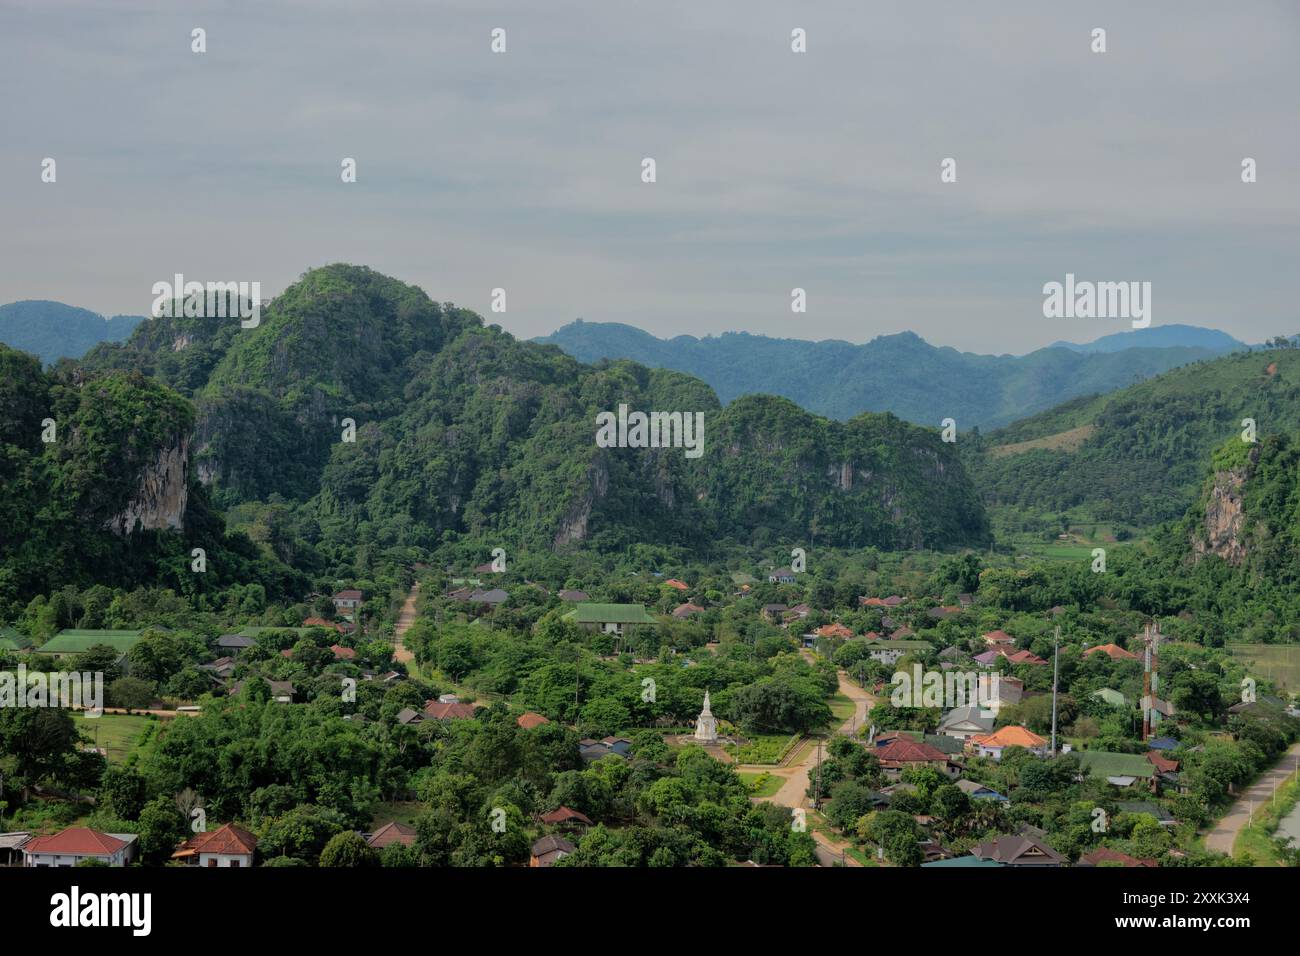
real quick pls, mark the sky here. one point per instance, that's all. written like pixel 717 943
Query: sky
pixel 775 170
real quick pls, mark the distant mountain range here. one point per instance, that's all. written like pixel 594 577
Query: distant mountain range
pixel 1158 337
pixel 902 373
pixel 52 330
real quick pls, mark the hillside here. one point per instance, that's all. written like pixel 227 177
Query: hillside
pixel 97 489
pixel 52 330
pixel 1135 457
pixel 465 434
pixel 1159 336
pixel 901 373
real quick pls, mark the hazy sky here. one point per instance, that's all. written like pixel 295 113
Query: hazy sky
pixel 775 169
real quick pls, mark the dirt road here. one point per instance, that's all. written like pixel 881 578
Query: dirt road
pixel 404 622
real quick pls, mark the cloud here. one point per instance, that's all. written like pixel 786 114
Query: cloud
pixel 775 169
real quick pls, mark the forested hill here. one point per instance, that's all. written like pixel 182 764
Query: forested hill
pixel 1136 456
pixel 96 490
pixel 900 373
pixel 52 330
pixel 463 433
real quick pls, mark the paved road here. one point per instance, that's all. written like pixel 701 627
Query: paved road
pixel 1224 835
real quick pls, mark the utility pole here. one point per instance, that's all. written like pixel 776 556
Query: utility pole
pixel 1056 670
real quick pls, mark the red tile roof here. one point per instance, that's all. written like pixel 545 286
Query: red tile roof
pixel 440 711
pixel 679 585
pixel 1113 651
pixel 229 839
pixel 343 653
pixel 530 720
pixel 563 814
pixel 904 750
pixel 76 841
pixel 1104 854
pixel 1161 762
pixel 393 832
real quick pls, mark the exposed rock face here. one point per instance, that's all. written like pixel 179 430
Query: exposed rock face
pixel 1225 519
pixel 161 495
pixel 573 527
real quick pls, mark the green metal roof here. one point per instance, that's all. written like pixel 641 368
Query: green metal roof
pixel 11 640
pixel 964 861
pixel 1101 763
pixel 76 641
pixel 255 631
pixel 1112 697
pixel 609 614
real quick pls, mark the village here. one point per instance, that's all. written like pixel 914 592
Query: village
pixel 886 729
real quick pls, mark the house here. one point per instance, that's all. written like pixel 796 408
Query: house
pixel 833 630
pixel 69 847
pixel 781 576
pixel 11 847
pixel 1019 849
pixel 342 653
pixel 563 816
pixel 436 710
pixel 391 833
pixel 942 613
pixel 1113 651
pixel 798 612
pixel 491 597
pixel 965 600
pixel 222 667
pixel 407 716
pixel 11 640
pixel 683 611
pixel 890 652
pixel 1105 855
pixel 903 633
pixel 235 643
pixel 1023 657
pixel 773 612
pixel 1112 697
pixel 282 691
pixel 529 720
pixel 1120 770
pixel 1009 690
pixel 76 641
pixel 966 722
pixel 319 622
pixel 573 596
pixel 903 752
pixel 999 638
pixel 677 585
pixel 1163 743
pixel 964 861
pixel 229 846
pixel 1163 816
pixel 549 849
pixel 1162 763
pixel 591 750
pixel 620 745
pixel 346 602
pixel 614 619
pixel 977 791
pixel 995 744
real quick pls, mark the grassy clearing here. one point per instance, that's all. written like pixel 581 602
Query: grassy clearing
pixel 1278 663
pixel 1067 441
pixel 116 733
pixel 761 784
pixel 763 748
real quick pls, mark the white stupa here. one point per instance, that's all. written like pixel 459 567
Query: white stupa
pixel 706 725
